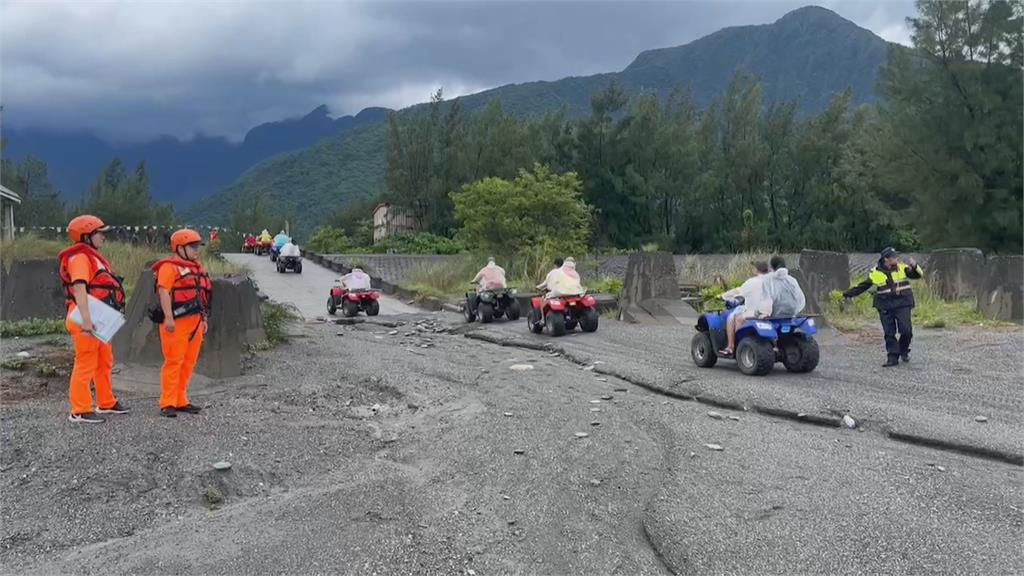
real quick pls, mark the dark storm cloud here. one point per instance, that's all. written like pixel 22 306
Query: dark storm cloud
pixel 134 70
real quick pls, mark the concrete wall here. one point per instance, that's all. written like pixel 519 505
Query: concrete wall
pixel 393 268
pixel 823 272
pixel 1001 293
pixel 235 322
pixel 32 289
pixel 956 272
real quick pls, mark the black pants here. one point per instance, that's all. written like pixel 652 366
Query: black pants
pixel 893 321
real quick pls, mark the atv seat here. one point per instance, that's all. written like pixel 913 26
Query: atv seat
pixel 800 316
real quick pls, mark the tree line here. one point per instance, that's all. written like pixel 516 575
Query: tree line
pixel 119 197
pixel 937 162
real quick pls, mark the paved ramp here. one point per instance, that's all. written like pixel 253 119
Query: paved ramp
pixel 307 291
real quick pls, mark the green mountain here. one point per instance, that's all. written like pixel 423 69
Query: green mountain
pixel 808 55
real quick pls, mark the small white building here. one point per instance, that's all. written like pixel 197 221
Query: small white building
pixel 389 221
pixel 8 198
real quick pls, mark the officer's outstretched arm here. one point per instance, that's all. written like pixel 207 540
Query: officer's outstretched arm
pixel 858 289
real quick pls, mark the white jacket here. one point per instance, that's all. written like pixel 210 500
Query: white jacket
pixel 784 291
pixel 290 249
pixel 756 301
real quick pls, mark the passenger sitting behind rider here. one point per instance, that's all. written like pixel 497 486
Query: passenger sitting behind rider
pixel 756 304
pixel 356 280
pixel 562 281
pixel 787 298
pixel 290 250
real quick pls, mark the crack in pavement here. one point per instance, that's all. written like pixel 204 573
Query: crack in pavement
pixel 800 417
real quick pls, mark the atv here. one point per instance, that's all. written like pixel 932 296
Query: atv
pixel 275 251
pixel 490 304
pixel 352 302
pixel 563 313
pixel 760 342
pixel 285 263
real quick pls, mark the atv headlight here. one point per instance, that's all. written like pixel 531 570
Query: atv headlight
pixel 810 322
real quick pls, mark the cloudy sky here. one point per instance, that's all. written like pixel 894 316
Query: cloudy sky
pixel 136 69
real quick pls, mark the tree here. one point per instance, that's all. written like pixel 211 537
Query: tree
pixel 40 203
pixel 537 209
pixel 949 136
pixel 123 200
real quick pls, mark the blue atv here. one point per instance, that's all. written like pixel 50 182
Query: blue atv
pixel 760 343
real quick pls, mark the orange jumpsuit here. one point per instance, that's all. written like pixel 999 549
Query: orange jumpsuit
pixel 180 348
pixel 94 359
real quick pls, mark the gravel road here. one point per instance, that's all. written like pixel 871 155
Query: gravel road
pixel 409 448
pixel 307 291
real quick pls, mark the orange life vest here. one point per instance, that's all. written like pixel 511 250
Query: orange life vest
pixel 103 284
pixel 192 291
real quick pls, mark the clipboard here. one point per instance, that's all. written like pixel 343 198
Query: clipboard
pixel 106 321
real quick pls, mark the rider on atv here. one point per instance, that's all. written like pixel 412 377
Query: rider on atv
pixel 490 277
pixel 355 280
pixel 562 281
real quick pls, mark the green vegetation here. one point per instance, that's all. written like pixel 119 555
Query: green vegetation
pixel 537 210
pixel 276 317
pixel 31 327
pixel 605 286
pixel 120 198
pixel 448 280
pixel 30 178
pixel 931 311
pixel 17 364
pixel 330 240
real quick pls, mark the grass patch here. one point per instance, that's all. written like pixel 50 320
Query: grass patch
pixel 31 327
pixel 13 364
pixel 930 311
pixel 697 271
pixel 443 280
pixel 275 318
pixel 605 285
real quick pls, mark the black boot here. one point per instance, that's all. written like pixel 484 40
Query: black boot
pixel 893 360
pixel 905 357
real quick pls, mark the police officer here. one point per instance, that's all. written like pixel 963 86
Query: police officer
pixel 894 300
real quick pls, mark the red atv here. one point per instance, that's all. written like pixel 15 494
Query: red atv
pixel 250 245
pixel 352 302
pixel 563 313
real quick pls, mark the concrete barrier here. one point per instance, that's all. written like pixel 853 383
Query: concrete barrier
pixel 823 272
pixel 650 276
pixel 1001 294
pixel 236 321
pixel 956 272
pixel 32 289
pixel 812 304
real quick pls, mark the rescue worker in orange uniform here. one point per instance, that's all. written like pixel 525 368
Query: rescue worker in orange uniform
pixel 85 272
pixel 185 290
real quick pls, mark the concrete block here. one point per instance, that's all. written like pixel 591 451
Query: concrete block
pixel 236 321
pixel 823 272
pixel 1001 294
pixel 649 275
pixel 956 272
pixel 32 289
